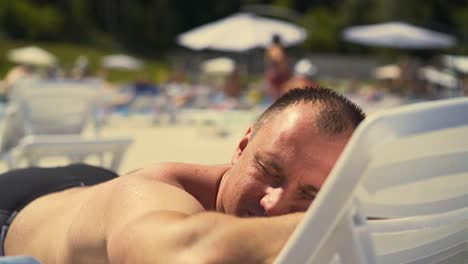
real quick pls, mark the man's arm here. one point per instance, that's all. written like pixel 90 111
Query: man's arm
pixel 172 237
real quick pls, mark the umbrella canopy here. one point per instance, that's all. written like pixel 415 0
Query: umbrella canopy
pixel 32 55
pixel 398 35
pixel 121 62
pixel 441 78
pixel 391 71
pixel 459 63
pixel 241 32
pixel 305 68
pixel 221 65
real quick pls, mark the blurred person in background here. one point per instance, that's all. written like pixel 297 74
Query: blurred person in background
pixel 277 69
pixel 177 92
pixel 304 73
pixel 464 85
pixel 230 97
pixel 233 85
pixel 54 72
pixel 410 81
pixel 80 68
pixel 15 75
pixel 143 95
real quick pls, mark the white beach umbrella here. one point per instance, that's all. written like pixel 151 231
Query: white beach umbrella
pixel 398 35
pixel 122 62
pixel 459 63
pixel 241 32
pixel 221 65
pixel 390 71
pixel 32 55
pixel 305 67
pixel 432 75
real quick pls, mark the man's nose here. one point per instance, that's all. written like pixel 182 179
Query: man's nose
pixel 274 202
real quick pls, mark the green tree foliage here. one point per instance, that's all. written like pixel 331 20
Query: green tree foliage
pixel 323 27
pixel 152 25
pixel 25 20
pixel 357 12
pixel 284 3
pixel 461 22
pixel 78 21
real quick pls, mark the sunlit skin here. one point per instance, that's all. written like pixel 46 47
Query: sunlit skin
pixel 281 168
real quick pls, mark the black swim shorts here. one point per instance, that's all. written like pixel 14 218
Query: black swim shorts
pixel 20 187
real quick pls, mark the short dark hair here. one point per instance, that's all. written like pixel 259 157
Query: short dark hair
pixel 336 114
pixel 276 39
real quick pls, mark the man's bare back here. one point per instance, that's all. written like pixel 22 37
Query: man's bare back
pixel 54 225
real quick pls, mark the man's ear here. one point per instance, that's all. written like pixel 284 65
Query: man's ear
pixel 242 145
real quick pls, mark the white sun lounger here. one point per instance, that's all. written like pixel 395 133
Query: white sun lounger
pixel 46 119
pixel 409 164
pixel 34 148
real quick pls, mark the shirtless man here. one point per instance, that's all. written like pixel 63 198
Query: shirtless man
pixel 186 213
pixel 277 70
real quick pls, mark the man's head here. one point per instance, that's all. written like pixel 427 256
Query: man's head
pixel 284 158
pixel 276 39
pixel 332 112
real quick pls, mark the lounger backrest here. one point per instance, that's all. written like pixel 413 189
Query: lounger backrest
pixel 56 107
pixel 336 229
pixel 11 129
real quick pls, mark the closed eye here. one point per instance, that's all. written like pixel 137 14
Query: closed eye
pixel 306 196
pixel 276 178
pixel 308 193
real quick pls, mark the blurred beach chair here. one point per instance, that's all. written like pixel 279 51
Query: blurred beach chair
pixel 48 118
pixel 57 107
pixel 398 193
pixel 34 148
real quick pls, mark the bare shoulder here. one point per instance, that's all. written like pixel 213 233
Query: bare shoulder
pixel 179 174
pixel 139 193
pixel 109 208
pixel 164 170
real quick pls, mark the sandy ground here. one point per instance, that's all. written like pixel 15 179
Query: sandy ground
pixel 209 142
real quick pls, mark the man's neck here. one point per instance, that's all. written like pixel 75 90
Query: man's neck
pixel 203 183
pixel 218 203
